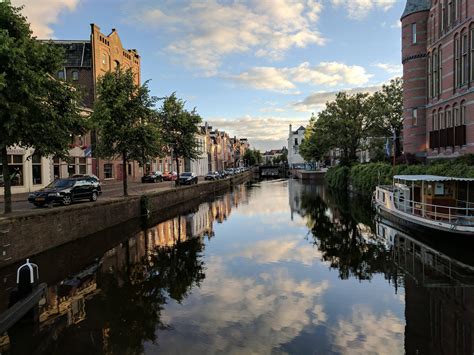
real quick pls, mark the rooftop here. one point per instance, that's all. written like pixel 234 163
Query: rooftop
pixel 430 178
pixel 413 6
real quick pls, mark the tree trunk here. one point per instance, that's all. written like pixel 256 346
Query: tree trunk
pixel 177 170
pixel 124 173
pixel 7 184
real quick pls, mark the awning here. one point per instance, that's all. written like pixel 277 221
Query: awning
pixel 432 178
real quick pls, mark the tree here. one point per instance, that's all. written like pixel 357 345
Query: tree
pixel 36 110
pixel 252 157
pixel 179 129
pixel 126 122
pixel 386 109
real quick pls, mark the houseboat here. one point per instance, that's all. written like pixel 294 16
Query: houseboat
pixel 428 202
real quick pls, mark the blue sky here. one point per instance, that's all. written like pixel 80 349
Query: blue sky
pixel 249 67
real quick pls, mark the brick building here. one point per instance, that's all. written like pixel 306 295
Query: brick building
pixel 438 73
pixel 84 63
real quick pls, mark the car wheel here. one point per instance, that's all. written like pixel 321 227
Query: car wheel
pixel 67 200
pixel 93 197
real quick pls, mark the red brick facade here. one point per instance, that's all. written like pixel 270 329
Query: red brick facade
pixel 438 72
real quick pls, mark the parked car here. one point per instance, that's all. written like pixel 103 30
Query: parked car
pixel 222 174
pixel 65 192
pixel 93 178
pixel 153 176
pixel 229 171
pixel 1 181
pixel 170 176
pixel 212 176
pixel 187 178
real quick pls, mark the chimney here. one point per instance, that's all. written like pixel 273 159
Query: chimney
pixel 290 130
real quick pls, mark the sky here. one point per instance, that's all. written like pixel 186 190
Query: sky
pixel 251 67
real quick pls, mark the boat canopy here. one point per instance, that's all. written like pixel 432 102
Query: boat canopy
pixel 433 178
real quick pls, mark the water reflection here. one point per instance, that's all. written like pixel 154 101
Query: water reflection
pixel 272 267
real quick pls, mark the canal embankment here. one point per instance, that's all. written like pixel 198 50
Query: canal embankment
pixel 35 232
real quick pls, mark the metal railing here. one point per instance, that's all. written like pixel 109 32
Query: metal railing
pixel 463 216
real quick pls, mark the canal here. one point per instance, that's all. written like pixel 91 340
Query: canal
pixel 270 267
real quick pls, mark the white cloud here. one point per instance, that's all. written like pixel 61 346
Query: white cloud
pixel 43 13
pixel 244 315
pixel 263 132
pixel 358 9
pixel 368 333
pixel 285 79
pixel 395 69
pixel 317 101
pixel 396 24
pixel 205 32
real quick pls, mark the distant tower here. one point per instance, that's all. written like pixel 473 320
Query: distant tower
pixel 414 59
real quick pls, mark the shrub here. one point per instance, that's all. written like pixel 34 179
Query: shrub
pixel 337 177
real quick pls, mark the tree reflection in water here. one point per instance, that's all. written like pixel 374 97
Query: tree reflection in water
pixel 132 298
pixel 342 230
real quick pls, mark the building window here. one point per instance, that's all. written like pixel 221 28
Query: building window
pixel 450 12
pixel 296 141
pixel 456 115
pixel 456 9
pixel 15 165
pixel 37 176
pixel 443 16
pixel 457 63
pixel 435 73
pixel 463 113
pixel 75 75
pixel 441 123
pixel 415 116
pixel 430 76
pixel 472 54
pixel 61 75
pixel 413 33
pixel 82 166
pixel 464 59
pixel 108 171
pixel 435 121
pixel 449 118
pixel 56 168
pixel 440 71
pixel 129 169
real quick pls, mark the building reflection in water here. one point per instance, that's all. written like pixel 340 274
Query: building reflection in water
pixel 437 274
pixel 114 305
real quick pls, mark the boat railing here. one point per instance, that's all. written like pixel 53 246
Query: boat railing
pixel 449 214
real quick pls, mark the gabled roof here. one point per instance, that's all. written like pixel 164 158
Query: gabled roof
pixel 413 6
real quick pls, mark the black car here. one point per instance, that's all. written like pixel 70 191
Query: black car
pixel 65 192
pixel 95 180
pixel 187 179
pixel 212 176
pixel 154 176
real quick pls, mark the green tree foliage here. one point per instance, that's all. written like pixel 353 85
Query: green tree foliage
pixel 179 128
pixel 386 110
pixel 252 157
pixel 356 122
pixel 127 125
pixel 36 110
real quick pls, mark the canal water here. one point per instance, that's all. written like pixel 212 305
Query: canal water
pixel 270 267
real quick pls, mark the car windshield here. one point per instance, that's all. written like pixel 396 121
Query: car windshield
pixel 186 174
pixel 61 183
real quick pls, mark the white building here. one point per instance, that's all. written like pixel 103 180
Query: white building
pixel 295 160
pixel 200 165
pixel 30 172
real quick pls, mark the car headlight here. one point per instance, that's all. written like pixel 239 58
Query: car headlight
pixel 31 195
pixel 54 194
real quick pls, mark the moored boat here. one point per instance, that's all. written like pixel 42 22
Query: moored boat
pixel 436 203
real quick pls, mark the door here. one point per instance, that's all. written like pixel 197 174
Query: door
pixel 119 172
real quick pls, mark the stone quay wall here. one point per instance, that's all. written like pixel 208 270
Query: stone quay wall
pixel 29 234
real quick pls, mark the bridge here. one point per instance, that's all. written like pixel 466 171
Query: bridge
pixel 273 171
